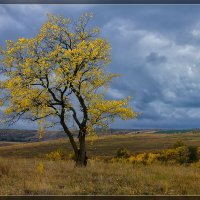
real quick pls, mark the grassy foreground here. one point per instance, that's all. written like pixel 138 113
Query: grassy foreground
pixel 24 169
pixel 22 177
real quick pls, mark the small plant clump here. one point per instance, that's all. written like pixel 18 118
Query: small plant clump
pixel 40 168
pixel 144 158
pixel 179 143
pixel 58 154
pixel 122 153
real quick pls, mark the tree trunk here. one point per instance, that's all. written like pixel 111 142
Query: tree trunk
pixel 71 139
pixel 81 159
pixel 80 154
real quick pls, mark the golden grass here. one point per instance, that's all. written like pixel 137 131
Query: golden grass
pixel 62 178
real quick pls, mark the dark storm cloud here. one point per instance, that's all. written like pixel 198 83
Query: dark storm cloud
pixel 155 58
pixel 154 48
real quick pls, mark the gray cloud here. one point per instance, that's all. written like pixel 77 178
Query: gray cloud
pixel 155 58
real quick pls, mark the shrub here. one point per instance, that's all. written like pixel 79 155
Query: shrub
pixel 179 155
pixel 166 155
pixel 182 155
pixel 56 155
pixel 193 154
pixel 139 158
pixel 152 157
pixel 122 153
pixel 179 143
pixel 144 158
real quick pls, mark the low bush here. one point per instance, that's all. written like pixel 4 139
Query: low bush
pixel 182 154
pixel 194 154
pixel 139 158
pixel 144 158
pixel 122 153
pixel 58 154
pixel 179 143
pixel 179 155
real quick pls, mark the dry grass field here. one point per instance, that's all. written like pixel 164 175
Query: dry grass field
pixel 21 177
pixel 24 169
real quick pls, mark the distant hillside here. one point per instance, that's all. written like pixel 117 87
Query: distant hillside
pixel 16 135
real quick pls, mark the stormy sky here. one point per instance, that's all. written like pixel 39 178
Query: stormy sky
pixel 155 48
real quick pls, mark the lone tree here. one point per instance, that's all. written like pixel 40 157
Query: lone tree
pixel 59 77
